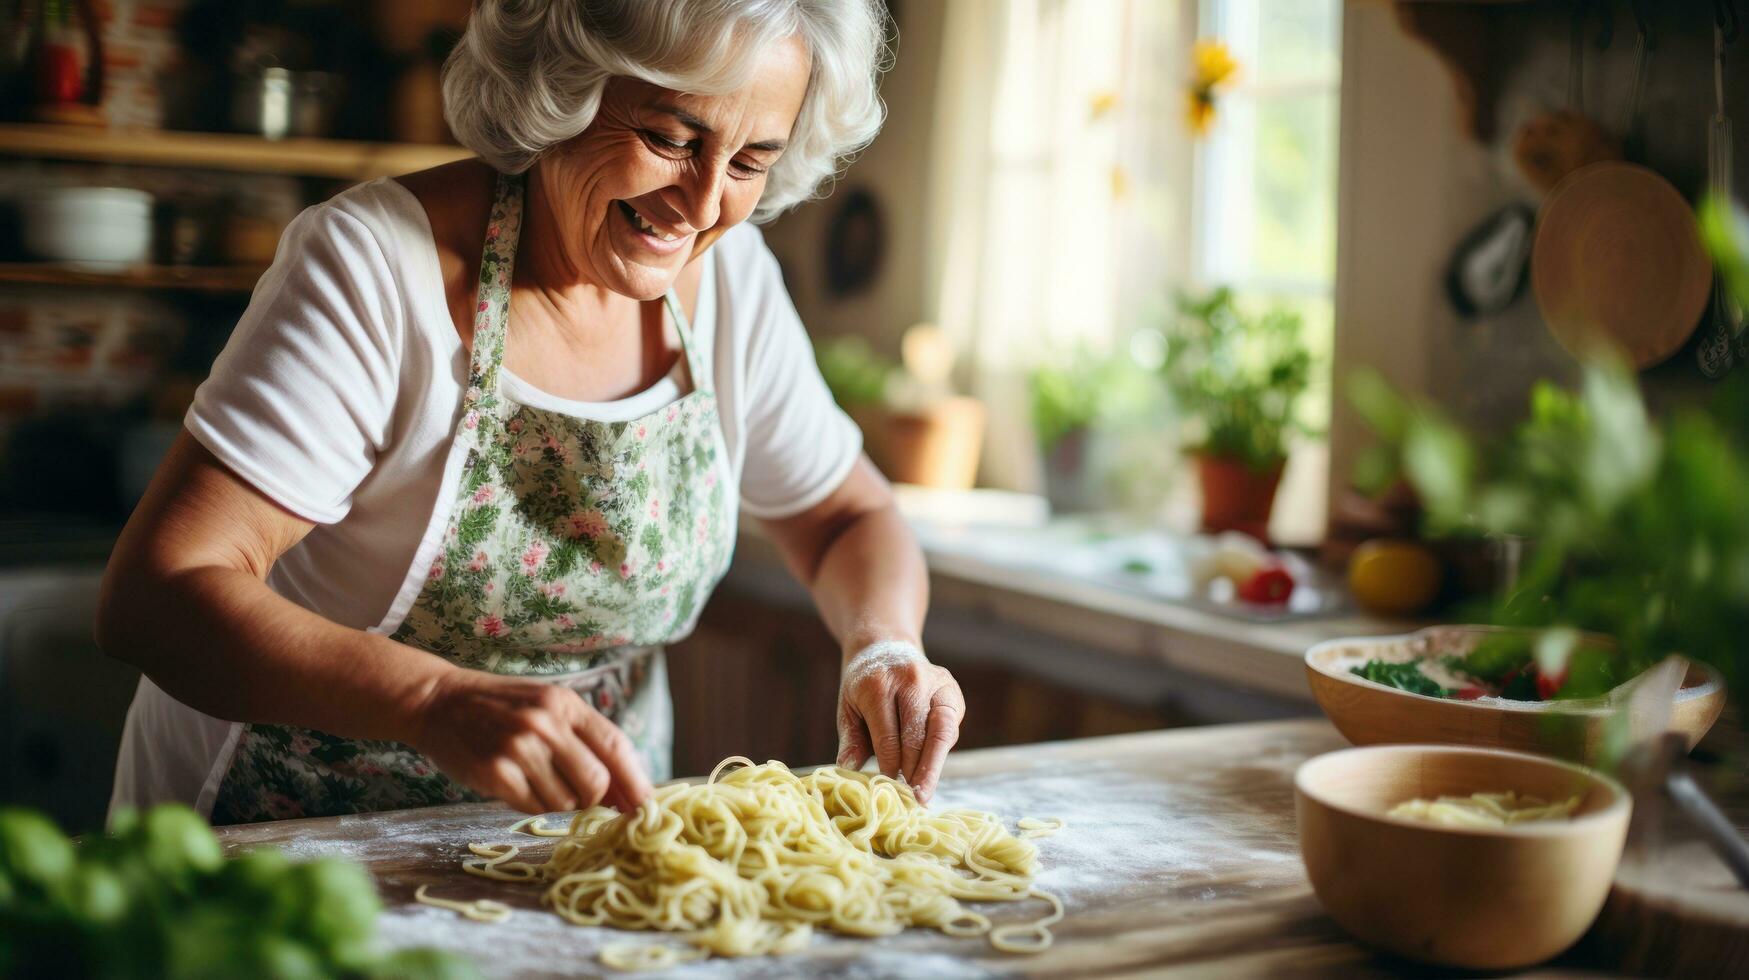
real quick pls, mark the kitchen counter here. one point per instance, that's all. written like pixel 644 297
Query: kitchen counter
pixel 1180 851
pixel 982 590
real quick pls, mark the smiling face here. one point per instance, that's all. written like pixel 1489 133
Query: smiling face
pixel 660 175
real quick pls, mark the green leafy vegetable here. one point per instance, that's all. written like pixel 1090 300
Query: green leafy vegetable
pixel 1402 676
pixel 158 899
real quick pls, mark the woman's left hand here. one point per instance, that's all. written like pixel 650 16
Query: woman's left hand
pixel 895 705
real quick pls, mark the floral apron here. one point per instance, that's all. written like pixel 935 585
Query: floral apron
pixel 573 550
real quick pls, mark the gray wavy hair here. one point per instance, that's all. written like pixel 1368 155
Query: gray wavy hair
pixel 528 74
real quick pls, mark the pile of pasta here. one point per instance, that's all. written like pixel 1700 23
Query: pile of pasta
pixel 753 860
pixel 1484 810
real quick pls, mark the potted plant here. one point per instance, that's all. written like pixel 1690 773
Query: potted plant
pixel 1237 379
pixel 1084 405
pixel 915 428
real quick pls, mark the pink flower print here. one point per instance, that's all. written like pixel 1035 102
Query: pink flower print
pixel 664 590
pixel 642 432
pixel 532 558
pixel 481 308
pixel 492 230
pixel 564 622
pixel 436 572
pixel 595 568
pixel 585 524
pixel 710 479
pixel 474 393
pixel 472 421
pixel 515 425
pixel 485 493
pixel 451 532
pixel 671 413
pixel 661 566
pixel 553 589
pixel 491 587
pixel 626 569
pixel 489 625
pixel 478 562
pixel 655 509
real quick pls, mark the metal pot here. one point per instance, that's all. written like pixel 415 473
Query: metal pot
pixel 277 103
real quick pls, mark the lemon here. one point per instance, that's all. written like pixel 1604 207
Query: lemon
pixel 1393 578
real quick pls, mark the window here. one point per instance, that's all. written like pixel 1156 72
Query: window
pixel 1264 211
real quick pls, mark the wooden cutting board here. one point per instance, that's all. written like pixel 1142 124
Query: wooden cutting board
pixel 1181 854
pixel 1618 258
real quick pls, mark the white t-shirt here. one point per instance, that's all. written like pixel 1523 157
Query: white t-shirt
pixel 338 397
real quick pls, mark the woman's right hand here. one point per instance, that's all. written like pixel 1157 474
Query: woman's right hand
pixel 539 747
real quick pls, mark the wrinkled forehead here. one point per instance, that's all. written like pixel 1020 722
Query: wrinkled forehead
pixel 769 97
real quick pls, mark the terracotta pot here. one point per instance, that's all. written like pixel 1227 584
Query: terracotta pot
pixel 1236 497
pixel 936 447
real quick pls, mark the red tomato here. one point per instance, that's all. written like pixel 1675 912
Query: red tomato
pixel 1548 685
pixel 1268 586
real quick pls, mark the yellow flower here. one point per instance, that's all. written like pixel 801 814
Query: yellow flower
pixel 1213 67
pixel 1213 64
pixel 1103 104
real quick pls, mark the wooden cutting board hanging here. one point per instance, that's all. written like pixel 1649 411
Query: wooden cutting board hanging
pixel 1618 260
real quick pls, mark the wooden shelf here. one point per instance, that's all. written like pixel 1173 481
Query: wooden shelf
pixel 174 278
pixel 344 159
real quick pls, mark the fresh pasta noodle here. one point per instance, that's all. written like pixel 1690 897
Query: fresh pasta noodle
pixel 633 957
pixel 479 910
pixel 1034 827
pixel 1007 938
pixel 1484 810
pixel 756 858
pixel 533 827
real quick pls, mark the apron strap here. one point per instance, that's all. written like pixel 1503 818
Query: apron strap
pixel 695 367
pixel 492 302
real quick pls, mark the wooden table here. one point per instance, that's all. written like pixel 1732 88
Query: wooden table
pixel 1180 855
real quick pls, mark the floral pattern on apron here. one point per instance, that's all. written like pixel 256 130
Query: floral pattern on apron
pixel 573 550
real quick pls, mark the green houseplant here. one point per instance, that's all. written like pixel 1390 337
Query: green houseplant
pixel 1237 378
pixel 1073 397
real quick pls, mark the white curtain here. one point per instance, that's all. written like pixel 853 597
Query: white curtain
pixel 1058 191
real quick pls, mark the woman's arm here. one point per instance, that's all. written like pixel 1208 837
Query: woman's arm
pixel 859 560
pixel 185 600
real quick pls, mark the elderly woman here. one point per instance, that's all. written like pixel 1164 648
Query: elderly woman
pixel 475 451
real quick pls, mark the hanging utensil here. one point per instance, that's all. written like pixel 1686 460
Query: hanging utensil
pixel 1551 145
pixel 1617 256
pixel 1724 343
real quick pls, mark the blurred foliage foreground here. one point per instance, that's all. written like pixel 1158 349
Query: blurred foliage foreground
pixel 1635 528
pixel 157 898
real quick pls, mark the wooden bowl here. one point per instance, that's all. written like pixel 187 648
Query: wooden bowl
pixel 1368 713
pixel 1457 896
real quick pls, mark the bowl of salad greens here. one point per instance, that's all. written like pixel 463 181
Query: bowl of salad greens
pixel 1492 686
